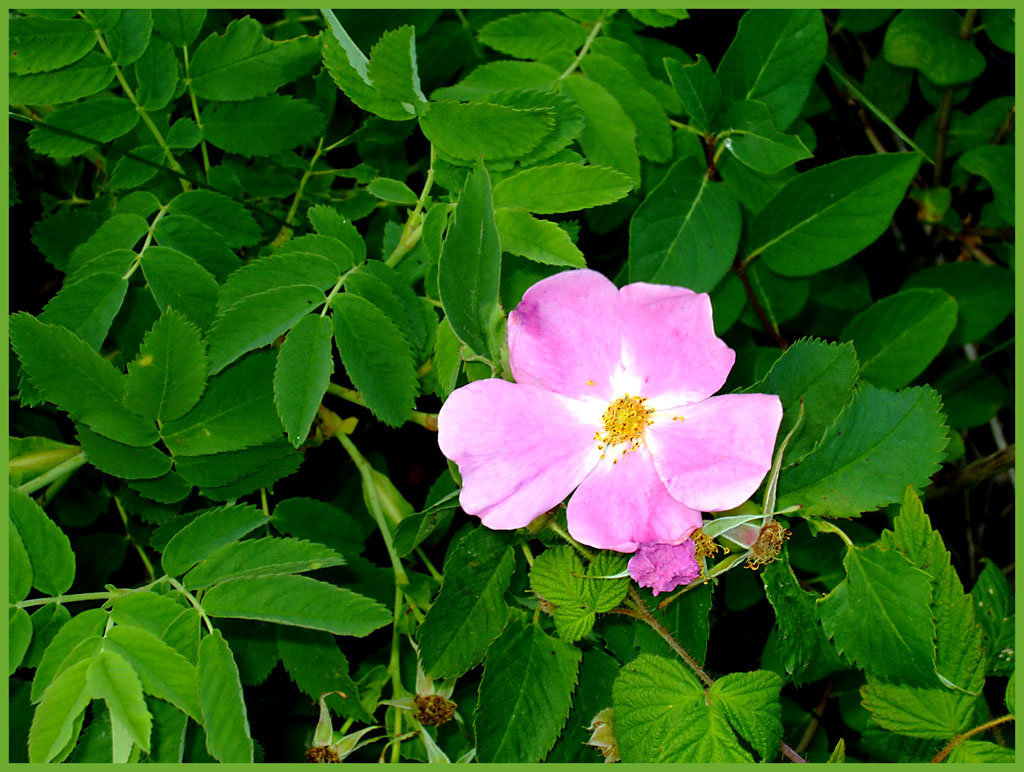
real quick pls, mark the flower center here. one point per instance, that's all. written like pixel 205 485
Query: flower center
pixel 624 422
pixel 768 545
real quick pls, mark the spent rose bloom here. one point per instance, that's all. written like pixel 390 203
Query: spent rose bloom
pixel 612 399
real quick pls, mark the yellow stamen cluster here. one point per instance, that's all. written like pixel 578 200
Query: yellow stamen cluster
pixel 705 545
pixel 767 546
pixel 624 422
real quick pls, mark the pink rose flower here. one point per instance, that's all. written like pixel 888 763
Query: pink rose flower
pixel 663 567
pixel 612 399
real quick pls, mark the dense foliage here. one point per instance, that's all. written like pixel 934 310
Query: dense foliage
pixel 253 254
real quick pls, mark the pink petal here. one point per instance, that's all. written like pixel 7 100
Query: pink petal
pixel 564 335
pixel 716 457
pixel 520 449
pixel 663 567
pixel 623 503
pixel 669 344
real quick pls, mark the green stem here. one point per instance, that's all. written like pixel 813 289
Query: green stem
pixel 554 526
pixel 191 599
pixel 334 291
pixel 59 471
pixel 394 667
pixel 62 599
pixel 941 755
pixel 287 230
pixel 195 111
pixel 145 244
pixel 430 566
pixel 685 127
pixel 585 49
pixel 827 525
pixel 426 420
pixel 138 548
pixel 414 225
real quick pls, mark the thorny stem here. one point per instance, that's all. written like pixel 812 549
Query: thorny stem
pixel 941 755
pixel 585 49
pixel 426 420
pixel 740 266
pixel 195 111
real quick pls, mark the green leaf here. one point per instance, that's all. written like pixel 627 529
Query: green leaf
pixel 277 271
pixel 19 575
pixel 113 680
pixel 376 357
pixel 755 141
pixel 120 232
pixel 179 26
pixel 302 374
pixel 48 548
pixel 177 282
pixel 173 622
pixel 698 90
pixel 828 214
pixel 980 751
pixel 129 173
pixel 236 411
pixel 395 191
pixel 934 714
pixel 19 636
pixel 261 127
pixel 995 164
pixel 81 79
pixel 609 137
pixel 257 320
pixel 880 616
pixel 120 460
pixel 103 119
pixel 390 292
pixel 821 375
pixel 215 210
pixel 593 694
pixel 881 442
pixel 392 67
pixel 316 665
pixel 556 576
pixel 686 231
pixel 525 695
pixel 223 706
pixel 157 74
pixel 218 472
pixel 532 35
pixel 502 75
pixel 168 376
pixel 899 336
pixel 208 533
pixel 243 64
pixel 467 132
pixel 87 306
pixel 298 601
pixel 930 41
pixel 653 132
pixel 774 59
pixel 40 45
pixel 88 624
pixel 329 222
pixel 994 609
pixel 470 265
pixel 164 672
pixel 470 610
pixel 416 528
pixel 53 724
pixel 751 703
pixel 983 294
pixel 129 37
pixel 67 372
pixel 268 556
pixel 561 187
pixel 168 489
pixel 539 240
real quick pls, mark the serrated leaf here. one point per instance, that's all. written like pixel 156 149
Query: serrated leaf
pixel 501 75
pixel 243 64
pixel 821 375
pixel 302 375
pixel 468 132
pixel 208 533
pixel 828 214
pixel 179 283
pixel 470 265
pixel 120 232
pixel 881 442
pixel 562 187
pixel 935 714
pixel 120 460
pixel 163 671
pixel 40 45
pixel 980 751
pixel 470 610
pixel 225 215
pixel 168 376
pixel 179 26
pixel 269 556
pixel 751 703
pixel 220 469
pixel 223 706
pixel 261 127
pixel 525 695
pixel 880 616
pixel 298 601
pixel 994 610
pixel 532 34
pixel 236 411
pixel 53 723
pixel 539 240
pixel 162 616
pixel 698 90
pixel 88 624
pixel 392 68
pixel 897 337
pixel 376 357
pixel 19 636
pixel 167 489
pixel 347 66
pixel 774 59
pixel 157 74
pixel 129 38
pixel 88 306
pixel 275 272
pixel 390 292
pixel 102 119
pixel 329 222
pixel 686 231
pixel 113 680
pixel 48 548
pixel 316 665
pixel 609 137
pixel 19 575
pixel 84 78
